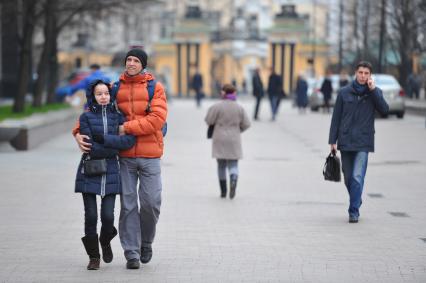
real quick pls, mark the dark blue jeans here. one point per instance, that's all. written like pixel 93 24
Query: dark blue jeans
pixel 354 166
pixel 275 104
pixel 91 214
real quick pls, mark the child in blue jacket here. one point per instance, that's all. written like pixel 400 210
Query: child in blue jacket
pixel 101 123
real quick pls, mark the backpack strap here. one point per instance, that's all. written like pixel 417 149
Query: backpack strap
pixel 114 91
pixel 151 92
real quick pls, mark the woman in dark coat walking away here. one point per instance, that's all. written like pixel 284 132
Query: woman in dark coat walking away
pixel 229 120
pixel 301 94
pixel 100 123
pixel 327 90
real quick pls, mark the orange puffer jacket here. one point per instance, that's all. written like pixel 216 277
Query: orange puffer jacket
pixel 132 100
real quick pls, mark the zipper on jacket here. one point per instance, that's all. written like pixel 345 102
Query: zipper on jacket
pixel 104 119
pixel 105 124
pixel 103 182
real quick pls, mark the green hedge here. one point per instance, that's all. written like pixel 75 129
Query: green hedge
pixel 6 111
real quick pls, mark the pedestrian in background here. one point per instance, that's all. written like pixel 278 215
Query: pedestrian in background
pixel 343 79
pixel 413 84
pixel 100 123
pixel 352 128
pixel 275 92
pixel 68 91
pixel 327 90
pixel 197 86
pixel 140 167
pixel 229 120
pixel 301 94
pixel 258 91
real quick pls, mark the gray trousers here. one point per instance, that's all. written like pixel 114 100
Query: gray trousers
pixel 137 225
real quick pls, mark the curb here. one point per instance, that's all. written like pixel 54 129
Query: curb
pixel 27 133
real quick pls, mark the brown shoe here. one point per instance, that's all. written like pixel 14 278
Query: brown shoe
pixel 93 264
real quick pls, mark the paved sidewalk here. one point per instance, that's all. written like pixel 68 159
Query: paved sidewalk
pixel 417 107
pixel 285 225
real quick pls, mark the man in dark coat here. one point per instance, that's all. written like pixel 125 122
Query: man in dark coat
pixel 352 127
pixel 257 91
pixel 413 85
pixel 275 92
pixel 197 86
pixel 327 90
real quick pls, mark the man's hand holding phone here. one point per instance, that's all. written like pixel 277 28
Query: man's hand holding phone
pixel 371 84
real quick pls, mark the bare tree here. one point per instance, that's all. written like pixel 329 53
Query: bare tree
pixel 57 16
pixel 42 68
pixel 366 30
pixel 341 12
pixel 404 34
pixel 382 35
pixel 25 39
pixel 60 15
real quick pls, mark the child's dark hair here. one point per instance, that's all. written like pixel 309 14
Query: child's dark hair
pixel 98 82
pixel 93 86
pixel 228 88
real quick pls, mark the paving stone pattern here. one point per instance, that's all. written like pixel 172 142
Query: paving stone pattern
pixel 286 223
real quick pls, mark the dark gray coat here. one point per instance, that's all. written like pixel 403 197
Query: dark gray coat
pixel 352 124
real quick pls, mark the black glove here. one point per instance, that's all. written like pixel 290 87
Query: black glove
pixel 99 138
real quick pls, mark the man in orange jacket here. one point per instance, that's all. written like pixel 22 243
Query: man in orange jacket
pixel 141 163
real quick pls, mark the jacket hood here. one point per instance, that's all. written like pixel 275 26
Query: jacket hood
pixel 90 97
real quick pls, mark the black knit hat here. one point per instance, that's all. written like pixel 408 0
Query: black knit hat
pixel 140 54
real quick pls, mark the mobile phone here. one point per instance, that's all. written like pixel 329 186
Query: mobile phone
pixel 370 81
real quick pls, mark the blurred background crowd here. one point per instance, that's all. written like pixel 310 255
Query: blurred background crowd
pixel 48 47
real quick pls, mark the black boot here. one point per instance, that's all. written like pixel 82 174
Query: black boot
pixel 105 240
pixel 233 185
pixel 222 188
pixel 91 244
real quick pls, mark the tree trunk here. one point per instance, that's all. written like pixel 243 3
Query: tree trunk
pixel 53 70
pixel 405 41
pixel 340 35
pixel 356 35
pixel 25 54
pixel 43 65
pixel 52 59
pixel 9 52
pixel 366 30
pixel 382 34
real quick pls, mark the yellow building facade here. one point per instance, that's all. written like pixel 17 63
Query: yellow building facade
pixel 286 48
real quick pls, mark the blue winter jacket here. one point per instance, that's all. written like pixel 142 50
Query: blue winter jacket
pixel 102 120
pixel 85 83
pixel 352 124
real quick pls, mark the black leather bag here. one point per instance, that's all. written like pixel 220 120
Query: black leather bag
pixel 95 167
pixel 331 169
pixel 210 131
